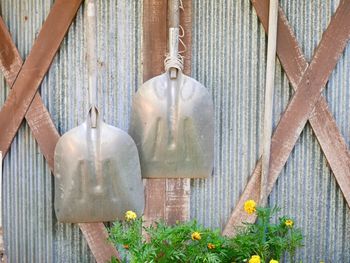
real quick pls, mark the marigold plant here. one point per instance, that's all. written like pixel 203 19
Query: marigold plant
pixel 130 215
pixel 250 206
pixel 190 242
pixel 255 259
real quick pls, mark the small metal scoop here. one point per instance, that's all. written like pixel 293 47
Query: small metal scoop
pixel 172 119
pixel 97 168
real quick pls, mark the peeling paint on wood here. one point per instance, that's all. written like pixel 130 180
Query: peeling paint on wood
pixel 47 136
pixel 34 69
pixel 329 135
pixel 166 199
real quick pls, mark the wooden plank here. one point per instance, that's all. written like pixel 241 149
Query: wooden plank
pixel 321 119
pixel 167 199
pixel 37 116
pixel 178 191
pixel 153 51
pixel 310 87
pixel 96 236
pixel 10 62
pixel 322 122
pixel 177 205
pixel 46 135
pixel 154 37
pixel 269 94
pixel 251 191
pixel 35 68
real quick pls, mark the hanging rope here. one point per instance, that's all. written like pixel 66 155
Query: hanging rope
pixel 177 60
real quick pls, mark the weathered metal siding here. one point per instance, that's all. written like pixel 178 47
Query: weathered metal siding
pixel 32 233
pixel 229 58
pixel 229 49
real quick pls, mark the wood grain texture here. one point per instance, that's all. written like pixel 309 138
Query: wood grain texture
pixel 153 53
pixel 34 69
pixel 322 121
pixel 46 135
pixel 166 199
pixel 96 236
pixel 178 191
pixel 309 89
pixel 269 94
pixel 154 43
pixel 37 116
pixel 10 62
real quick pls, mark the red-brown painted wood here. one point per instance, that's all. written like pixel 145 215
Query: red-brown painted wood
pixel 34 69
pixel 46 135
pixel 153 53
pixel 322 121
pixel 166 199
pixel 178 191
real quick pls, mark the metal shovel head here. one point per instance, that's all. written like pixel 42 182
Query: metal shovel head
pixel 172 125
pixel 97 174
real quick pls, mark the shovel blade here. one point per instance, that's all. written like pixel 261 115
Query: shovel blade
pixel 97 175
pixel 172 125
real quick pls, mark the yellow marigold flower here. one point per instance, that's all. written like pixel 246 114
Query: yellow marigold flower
pixel 273 261
pixel 196 236
pixel 130 215
pixel 211 246
pixel 289 223
pixel 250 206
pixel 255 259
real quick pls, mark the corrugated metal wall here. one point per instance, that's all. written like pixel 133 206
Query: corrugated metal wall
pixel 32 233
pixel 229 49
pixel 229 58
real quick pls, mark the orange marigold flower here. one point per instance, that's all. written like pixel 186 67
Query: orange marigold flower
pixel 196 236
pixel 250 206
pixel 255 259
pixel 211 246
pixel 289 223
pixel 130 216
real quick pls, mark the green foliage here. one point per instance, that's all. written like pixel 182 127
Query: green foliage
pixel 265 239
pixel 191 242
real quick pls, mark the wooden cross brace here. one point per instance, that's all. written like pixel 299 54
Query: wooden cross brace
pixel 164 198
pixel 307 104
pixel 24 101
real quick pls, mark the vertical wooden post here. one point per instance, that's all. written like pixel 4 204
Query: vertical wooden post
pixel 178 190
pixel 168 199
pixel 269 87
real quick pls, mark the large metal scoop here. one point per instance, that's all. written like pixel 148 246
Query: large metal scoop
pixel 172 119
pixel 98 175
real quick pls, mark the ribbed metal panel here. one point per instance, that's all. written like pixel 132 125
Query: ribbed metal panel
pixel 32 233
pixel 229 48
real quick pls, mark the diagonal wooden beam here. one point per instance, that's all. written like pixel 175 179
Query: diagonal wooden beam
pixel 322 122
pixel 37 116
pixel 34 69
pixel 10 60
pixel 332 45
pixel 324 125
pixel 46 135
